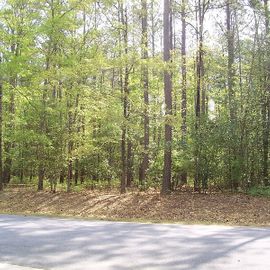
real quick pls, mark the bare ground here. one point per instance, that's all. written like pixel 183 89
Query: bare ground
pixel 216 208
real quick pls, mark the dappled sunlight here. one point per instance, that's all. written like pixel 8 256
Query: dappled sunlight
pixel 58 244
pixel 239 209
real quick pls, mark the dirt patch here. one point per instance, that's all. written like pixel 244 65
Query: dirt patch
pixel 233 209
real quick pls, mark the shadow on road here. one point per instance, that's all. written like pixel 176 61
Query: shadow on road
pixel 72 244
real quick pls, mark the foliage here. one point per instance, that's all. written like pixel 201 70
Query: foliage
pixel 259 191
pixel 73 91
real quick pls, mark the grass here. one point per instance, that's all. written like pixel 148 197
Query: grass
pixel 259 191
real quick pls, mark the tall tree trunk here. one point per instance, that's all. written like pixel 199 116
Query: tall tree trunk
pixel 70 146
pixel 76 174
pixel 82 165
pixel 76 121
pixel 10 125
pixel 231 56
pixel 266 100
pixel 1 133
pixel 41 174
pixel 167 42
pixel 10 144
pixel 125 152
pixel 125 93
pixel 43 129
pixel 243 149
pixel 199 107
pixel 184 87
pixel 129 163
pixel 231 95
pixel 124 162
pixel 145 82
pixel 153 31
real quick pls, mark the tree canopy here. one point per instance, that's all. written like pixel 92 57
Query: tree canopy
pixel 135 93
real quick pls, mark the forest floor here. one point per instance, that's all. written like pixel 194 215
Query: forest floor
pixel 182 207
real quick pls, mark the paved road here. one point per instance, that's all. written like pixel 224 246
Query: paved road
pixel 29 243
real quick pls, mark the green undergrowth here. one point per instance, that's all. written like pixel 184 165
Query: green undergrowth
pixel 259 191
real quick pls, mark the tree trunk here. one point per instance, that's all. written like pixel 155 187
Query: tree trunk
pixel 184 87
pixel 62 176
pixel 153 31
pixel 10 125
pixel 199 100
pixel 129 163
pixel 82 174
pixel 123 156
pixel 41 172
pixel 42 125
pixel 145 82
pixel 125 94
pixel 167 39
pixel 231 96
pixel 266 101
pixel 1 135
pixel 76 175
pixel 70 146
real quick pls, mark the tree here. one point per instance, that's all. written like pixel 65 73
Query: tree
pixel 184 84
pixel 266 99
pixel 88 90
pixel 145 83
pixel 125 147
pixel 200 102
pixel 167 43
pixel 1 133
pixel 231 94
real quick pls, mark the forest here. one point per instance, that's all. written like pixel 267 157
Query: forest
pixel 135 94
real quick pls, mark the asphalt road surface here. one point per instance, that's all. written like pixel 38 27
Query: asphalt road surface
pixel 30 243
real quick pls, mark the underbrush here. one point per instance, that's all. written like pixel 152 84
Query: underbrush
pixel 259 191
pixel 113 184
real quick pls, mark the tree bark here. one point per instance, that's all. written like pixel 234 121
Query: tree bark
pixel 41 174
pixel 70 146
pixel 184 87
pixel 129 163
pixel 145 82
pixel 125 93
pixel 1 135
pixel 10 125
pixel 199 107
pixel 42 125
pixel 266 100
pixel 167 43
pixel 231 95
